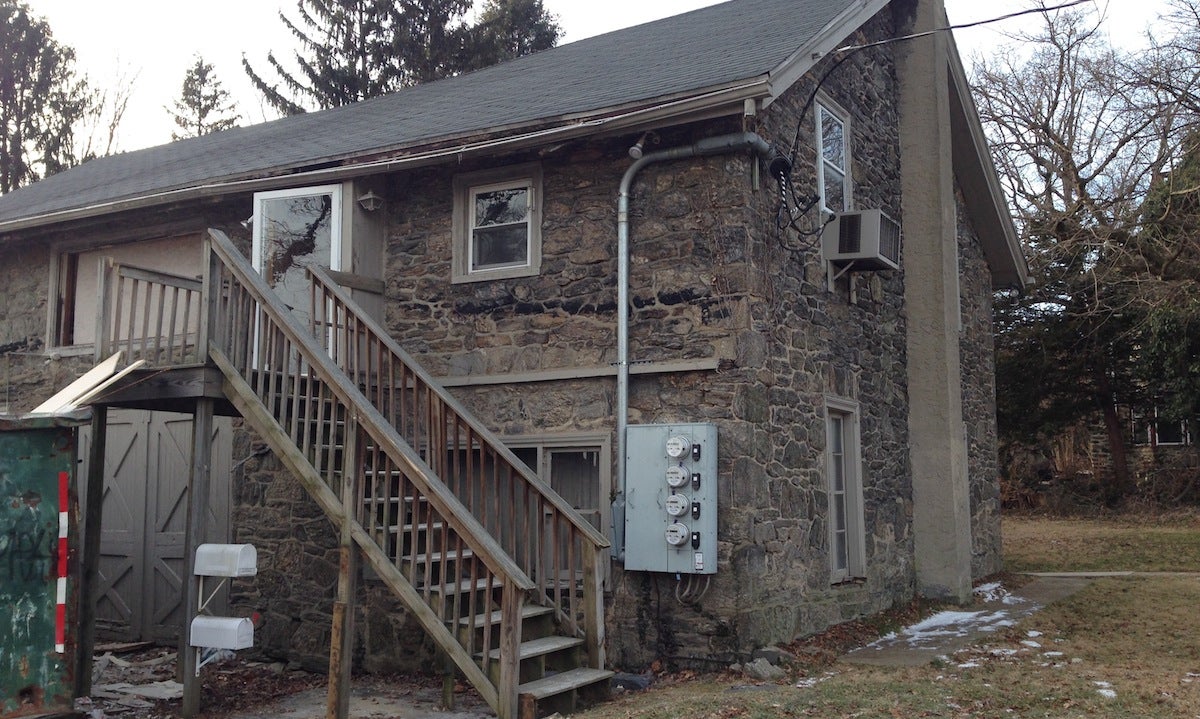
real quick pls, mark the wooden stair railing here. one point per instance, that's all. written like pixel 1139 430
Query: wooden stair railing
pixel 547 537
pixel 457 576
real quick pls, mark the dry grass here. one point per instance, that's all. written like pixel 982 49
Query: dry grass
pixel 1123 647
pixel 1144 544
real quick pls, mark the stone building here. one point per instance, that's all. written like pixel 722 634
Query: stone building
pixel 493 226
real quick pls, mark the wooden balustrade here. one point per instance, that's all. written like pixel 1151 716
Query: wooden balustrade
pixel 411 526
pixel 551 542
pixel 149 315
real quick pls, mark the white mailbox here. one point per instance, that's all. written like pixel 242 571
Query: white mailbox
pixel 226 560
pixel 222 632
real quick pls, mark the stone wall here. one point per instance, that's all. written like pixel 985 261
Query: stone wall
pixel 977 358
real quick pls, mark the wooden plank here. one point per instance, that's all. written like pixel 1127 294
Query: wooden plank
pixel 92 393
pixel 707 364
pixel 539 647
pixel 508 653
pixel 79 387
pixel 563 682
pixel 593 604
pixel 356 282
pixel 89 584
pixel 197 504
pixel 341 645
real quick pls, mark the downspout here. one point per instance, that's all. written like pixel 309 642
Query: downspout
pixel 709 146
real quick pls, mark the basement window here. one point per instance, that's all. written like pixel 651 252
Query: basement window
pixel 497 224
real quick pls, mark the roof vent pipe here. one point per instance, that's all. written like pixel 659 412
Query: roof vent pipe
pixel 777 165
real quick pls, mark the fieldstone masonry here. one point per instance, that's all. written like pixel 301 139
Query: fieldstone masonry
pixel 712 279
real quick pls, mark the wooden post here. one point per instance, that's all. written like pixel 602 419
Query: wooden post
pixel 197 523
pixel 104 308
pixel 593 602
pixel 510 650
pixel 89 585
pixel 341 645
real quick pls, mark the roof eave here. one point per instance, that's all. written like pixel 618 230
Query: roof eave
pixel 983 194
pixel 698 104
pixel 828 39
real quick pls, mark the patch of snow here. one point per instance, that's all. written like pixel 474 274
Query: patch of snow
pixel 1031 644
pixel 1003 652
pixel 1052 654
pixel 969 665
pixel 1105 690
pixel 1033 634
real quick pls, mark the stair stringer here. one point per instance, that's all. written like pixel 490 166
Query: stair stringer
pixel 244 399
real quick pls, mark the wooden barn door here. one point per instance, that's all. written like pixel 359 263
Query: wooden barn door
pixel 145 513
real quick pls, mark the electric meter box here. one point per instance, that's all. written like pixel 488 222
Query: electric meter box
pixel 671 498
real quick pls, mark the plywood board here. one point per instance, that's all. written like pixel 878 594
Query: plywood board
pixel 68 396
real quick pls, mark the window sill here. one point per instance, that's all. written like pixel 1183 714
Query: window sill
pixel 506 273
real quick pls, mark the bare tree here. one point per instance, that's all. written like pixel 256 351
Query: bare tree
pixel 1081 133
pixel 96 134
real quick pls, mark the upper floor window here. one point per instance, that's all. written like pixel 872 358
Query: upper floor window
pixel 833 166
pixel 497 225
pixel 293 229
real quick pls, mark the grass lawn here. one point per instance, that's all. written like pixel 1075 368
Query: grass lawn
pixel 1122 647
pixel 1143 544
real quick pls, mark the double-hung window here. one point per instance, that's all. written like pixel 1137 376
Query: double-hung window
pixel 833 164
pixel 497 226
pixel 847 540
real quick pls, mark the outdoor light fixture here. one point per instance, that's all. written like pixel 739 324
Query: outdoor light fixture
pixel 369 201
pixel 636 151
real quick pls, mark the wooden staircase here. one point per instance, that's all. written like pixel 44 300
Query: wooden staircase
pixel 501 572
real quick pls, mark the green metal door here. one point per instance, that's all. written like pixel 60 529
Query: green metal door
pixel 37 603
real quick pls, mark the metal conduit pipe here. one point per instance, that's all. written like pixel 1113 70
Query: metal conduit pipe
pixel 721 144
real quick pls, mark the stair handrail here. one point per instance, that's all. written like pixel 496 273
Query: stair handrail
pixel 455 514
pixel 585 527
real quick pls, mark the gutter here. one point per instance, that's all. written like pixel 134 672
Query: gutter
pixel 721 144
pixel 732 96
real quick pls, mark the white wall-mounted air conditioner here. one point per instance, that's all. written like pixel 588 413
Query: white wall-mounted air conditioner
pixel 867 238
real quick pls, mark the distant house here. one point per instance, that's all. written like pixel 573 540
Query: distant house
pixel 508 306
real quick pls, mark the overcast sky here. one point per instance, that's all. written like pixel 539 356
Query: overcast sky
pixel 154 41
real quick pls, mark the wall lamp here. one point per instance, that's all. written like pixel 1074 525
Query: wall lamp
pixel 369 201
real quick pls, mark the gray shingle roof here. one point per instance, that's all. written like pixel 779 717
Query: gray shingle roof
pixel 710 47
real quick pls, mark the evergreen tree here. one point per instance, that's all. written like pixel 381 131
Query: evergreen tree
pixel 352 50
pixel 508 29
pixel 41 99
pixel 203 105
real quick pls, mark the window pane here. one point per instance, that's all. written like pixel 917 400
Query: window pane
pixel 503 246
pixel 839 513
pixel 840 555
pixel 500 207
pixel 833 140
pixel 296 231
pixel 1168 432
pixel 835 190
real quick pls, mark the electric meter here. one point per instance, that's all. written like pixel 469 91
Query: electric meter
pixel 678 447
pixel 678 534
pixel 677 505
pixel 677 476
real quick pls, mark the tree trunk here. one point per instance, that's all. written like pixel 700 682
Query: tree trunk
pixel 1121 486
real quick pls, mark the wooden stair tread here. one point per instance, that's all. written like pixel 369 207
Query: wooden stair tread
pixel 545 645
pixel 466 586
pixel 563 682
pixel 449 556
pixel 528 611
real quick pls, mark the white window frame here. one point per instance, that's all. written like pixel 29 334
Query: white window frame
pixel 466 186
pixel 547 444
pixel 844 414
pixel 826 106
pixel 335 220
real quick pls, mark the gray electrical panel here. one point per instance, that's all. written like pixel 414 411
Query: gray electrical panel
pixel 671 498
